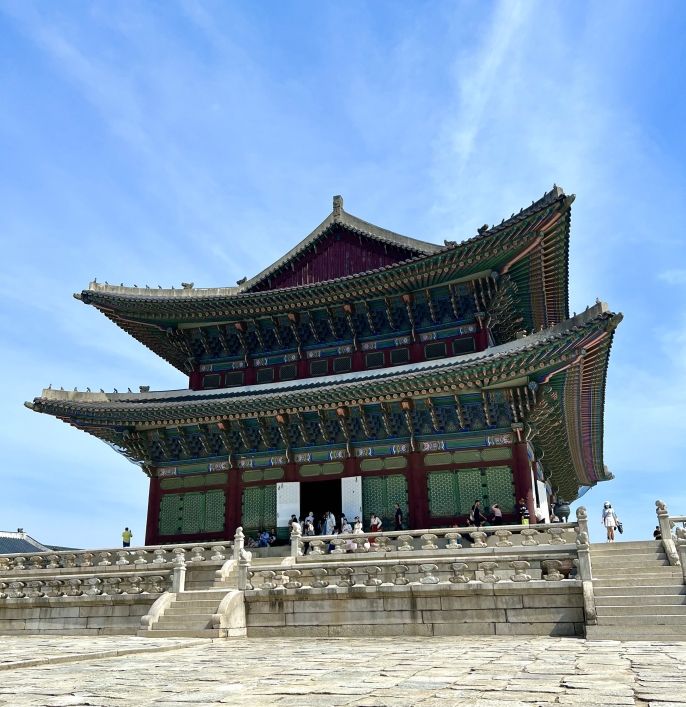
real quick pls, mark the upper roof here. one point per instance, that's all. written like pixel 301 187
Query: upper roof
pixel 530 251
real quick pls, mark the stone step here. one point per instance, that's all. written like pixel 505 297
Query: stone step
pixel 645 620
pixel 640 600
pixel 638 580
pixel 629 545
pixel 200 594
pixel 652 561
pixel 642 609
pixel 185 624
pixel 675 589
pixel 183 633
pixel 196 602
pixel 193 607
pixel 628 575
pixel 615 550
pixel 636 633
pixel 622 549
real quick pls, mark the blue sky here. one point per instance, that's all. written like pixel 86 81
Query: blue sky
pixel 161 142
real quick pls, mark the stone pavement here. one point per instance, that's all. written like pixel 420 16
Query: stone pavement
pixel 322 672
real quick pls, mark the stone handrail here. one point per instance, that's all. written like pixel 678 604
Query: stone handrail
pixel 441 570
pixel 115 559
pixel 162 603
pixel 680 542
pixel 72 586
pixel 665 523
pixel 309 547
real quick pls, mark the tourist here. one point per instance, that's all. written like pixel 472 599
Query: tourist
pixel 398 517
pixel 308 531
pixel 294 519
pixel 310 517
pixel 272 536
pixel 609 520
pixel 523 511
pixel 657 533
pixel 344 520
pixel 330 523
pixel 126 538
pixel 347 529
pixel 357 525
pixel 497 514
pixel 476 515
pixel 263 539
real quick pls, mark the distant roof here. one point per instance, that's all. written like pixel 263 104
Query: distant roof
pixel 11 543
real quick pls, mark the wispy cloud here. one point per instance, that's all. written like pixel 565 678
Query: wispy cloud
pixel 673 277
pixel 197 141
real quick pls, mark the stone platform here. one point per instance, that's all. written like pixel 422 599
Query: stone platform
pixel 364 671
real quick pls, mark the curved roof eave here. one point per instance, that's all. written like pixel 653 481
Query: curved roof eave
pixel 122 406
pixel 117 297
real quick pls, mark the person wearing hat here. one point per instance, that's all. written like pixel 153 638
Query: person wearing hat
pixel 609 520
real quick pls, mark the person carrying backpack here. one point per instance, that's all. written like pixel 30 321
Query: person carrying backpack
pixel 610 521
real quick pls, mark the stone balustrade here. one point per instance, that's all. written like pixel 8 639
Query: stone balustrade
pixel 554 566
pixel 666 523
pixel 113 559
pixel 94 585
pixel 431 541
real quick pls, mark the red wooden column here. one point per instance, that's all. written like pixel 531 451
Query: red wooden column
pixel 418 500
pixel 521 470
pixel 153 511
pixel 481 339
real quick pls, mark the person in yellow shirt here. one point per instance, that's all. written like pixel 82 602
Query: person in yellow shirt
pixel 126 537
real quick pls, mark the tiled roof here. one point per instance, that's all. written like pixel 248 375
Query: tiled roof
pixel 11 543
pixel 174 404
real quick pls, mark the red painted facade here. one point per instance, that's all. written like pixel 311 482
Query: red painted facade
pixel 337 254
pixel 416 474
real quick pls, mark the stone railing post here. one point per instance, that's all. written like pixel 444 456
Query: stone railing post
pixel 583 547
pixel 244 569
pixel 681 549
pixel 666 532
pixel 296 540
pixel 238 543
pixel 179 575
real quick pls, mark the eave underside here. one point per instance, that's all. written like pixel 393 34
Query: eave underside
pixel 565 364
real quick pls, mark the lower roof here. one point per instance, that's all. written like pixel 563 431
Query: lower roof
pixel 566 364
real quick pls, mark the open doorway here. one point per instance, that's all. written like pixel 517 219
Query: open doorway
pixel 320 497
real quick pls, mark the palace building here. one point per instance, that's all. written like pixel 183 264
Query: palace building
pixel 364 369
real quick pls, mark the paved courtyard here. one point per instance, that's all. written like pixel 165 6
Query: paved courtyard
pixel 360 671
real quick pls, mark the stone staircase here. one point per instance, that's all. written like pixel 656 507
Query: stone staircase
pixel 638 595
pixel 190 613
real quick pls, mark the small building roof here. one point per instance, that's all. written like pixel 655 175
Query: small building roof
pixel 13 543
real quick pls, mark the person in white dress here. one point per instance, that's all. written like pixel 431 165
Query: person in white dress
pixel 609 520
pixel 330 524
